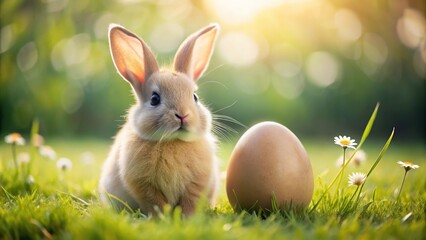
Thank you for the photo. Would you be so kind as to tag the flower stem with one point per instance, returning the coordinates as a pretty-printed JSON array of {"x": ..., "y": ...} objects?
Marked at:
[
  {"x": 350, "y": 200},
  {"x": 327, "y": 189},
  {"x": 15, "y": 161},
  {"x": 343, "y": 169},
  {"x": 402, "y": 184}
]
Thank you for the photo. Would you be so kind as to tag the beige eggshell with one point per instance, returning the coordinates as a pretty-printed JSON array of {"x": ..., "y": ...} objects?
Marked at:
[{"x": 269, "y": 159}]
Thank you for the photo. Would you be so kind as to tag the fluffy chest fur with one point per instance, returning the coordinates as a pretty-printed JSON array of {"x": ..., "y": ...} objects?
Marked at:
[{"x": 168, "y": 167}]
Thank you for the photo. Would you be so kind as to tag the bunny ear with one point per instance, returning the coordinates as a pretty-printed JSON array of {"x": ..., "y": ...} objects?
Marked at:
[
  {"x": 132, "y": 57},
  {"x": 193, "y": 56}
]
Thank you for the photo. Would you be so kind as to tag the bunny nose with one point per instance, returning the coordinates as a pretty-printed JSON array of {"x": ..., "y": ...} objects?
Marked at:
[{"x": 181, "y": 117}]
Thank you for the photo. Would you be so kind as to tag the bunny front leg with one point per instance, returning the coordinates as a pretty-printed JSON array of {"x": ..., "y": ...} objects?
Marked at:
[
  {"x": 188, "y": 204},
  {"x": 151, "y": 200},
  {"x": 189, "y": 200}
]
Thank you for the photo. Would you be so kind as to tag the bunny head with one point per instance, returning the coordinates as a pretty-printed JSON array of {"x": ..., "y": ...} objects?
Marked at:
[{"x": 167, "y": 107}]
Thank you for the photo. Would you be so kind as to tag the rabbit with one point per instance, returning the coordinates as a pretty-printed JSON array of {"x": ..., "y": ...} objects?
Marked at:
[{"x": 165, "y": 153}]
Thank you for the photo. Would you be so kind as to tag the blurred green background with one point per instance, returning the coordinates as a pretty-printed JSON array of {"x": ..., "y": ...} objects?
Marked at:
[{"x": 318, "y": 67}]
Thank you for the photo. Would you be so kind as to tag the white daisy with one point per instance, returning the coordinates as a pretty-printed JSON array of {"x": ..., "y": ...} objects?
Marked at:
[
  {"x": 408, "y": 165},
  {"x": 339, "y": 161},
  {"x": 23, "y": 157},
  {"x": 64, "y": 164},
  {"x": 30, "y": 179},
  {"x": 87, "y": 158},
  {"x": 359, "y": 158},
  {"x": 38, "y": 140},
  {"x": 357, "y": 178},
  {"x": 15, "y": 138},
  {"x": 345, "y": 142},
  {"x": 47, "y": 152}
]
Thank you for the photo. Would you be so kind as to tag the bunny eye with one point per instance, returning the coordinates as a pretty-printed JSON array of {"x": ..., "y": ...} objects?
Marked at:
[
  {"x": 155, "y": 99},
  {"x": 195, "y": 97}
]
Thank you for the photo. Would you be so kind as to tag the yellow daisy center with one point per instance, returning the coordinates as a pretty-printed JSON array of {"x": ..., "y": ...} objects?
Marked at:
[
  {"x": 408, "y": 163},
  {"x": 345, "y": 142},
  {"x": 15, "y": 136}
]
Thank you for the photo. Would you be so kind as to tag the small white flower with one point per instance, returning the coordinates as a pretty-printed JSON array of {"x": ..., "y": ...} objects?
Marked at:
[
  {"x": 15, "y": 138},
  {"x": 226, "y": 227},
  {"x": 38, "y": 140},
  {"x": 64, "y": 164},
  {"x": 345, "y": 142},
  {"x": 47, "y": 152},
  {"x": 359, "y": 158},
  {"x": 23, "y": 157},
  {"x": 30, "y": 179},
  {"x": 357, "y": 178},
  {"x": 87, "y": 158},
  {"x": 408, "y": 165},
  {"x": 339, "y": 162}
]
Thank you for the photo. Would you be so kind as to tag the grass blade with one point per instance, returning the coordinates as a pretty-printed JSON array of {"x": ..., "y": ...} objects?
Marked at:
[
  {"x": 9, "y": 196},
  {"x": 34, "y": 131},
  {"x": 75, "y": 197},
  {"x": 365, "y": 134},
  {"x": 382, "y": 153},
  {"x": 369, "y": 125},
  {"x": 34, "y": 128}
]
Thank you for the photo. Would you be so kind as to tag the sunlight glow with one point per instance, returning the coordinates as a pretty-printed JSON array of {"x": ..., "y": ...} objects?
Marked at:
[
  {"x": 238, "y": 49},
  {"x": 240, "y": 11}
]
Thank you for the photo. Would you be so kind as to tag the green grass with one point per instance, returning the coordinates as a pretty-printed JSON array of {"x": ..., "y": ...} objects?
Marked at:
[{"x": 64, "y": 205}]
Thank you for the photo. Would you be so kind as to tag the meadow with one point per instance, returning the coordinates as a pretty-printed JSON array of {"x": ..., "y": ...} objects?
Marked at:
[
  {"x": 63, "y": 204},
  {"x": 315, "y": 66}
]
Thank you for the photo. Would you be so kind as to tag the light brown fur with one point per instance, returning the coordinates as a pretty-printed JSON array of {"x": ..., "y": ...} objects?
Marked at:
[
  {"x": 156, "y": 173},
  {"x": 165, "y": 153}
]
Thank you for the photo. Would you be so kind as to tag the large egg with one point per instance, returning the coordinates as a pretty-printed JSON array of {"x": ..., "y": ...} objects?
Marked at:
[{"x": 269, "y": 160}]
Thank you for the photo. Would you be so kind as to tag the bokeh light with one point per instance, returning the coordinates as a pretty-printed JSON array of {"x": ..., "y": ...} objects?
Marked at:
[
  {"x": 299, "y": 56},
  {"x": 6, "y": 38},
  {"x": 27, "y": 56},
  {"x": 238, "y": 49},
  {"x": 411, "y": 27},
  {"x": 240, "y": 11},
  {"x": 375, "y": 48},
  {"x": 322, "y": 68},
  {"x": 348, "y": 25},
  {"x": 168, "y": 44}
]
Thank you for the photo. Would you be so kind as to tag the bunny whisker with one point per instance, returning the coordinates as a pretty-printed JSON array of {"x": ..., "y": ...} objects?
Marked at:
[
  {"x": 220, "y": 132},
  {"x": 224, "y": 108},
  {"x": 217, "y": 82},
  {"x": 228, "y": 119},
  {"x": 214, "y": 69},
  {"x": 223, "y": 127}
]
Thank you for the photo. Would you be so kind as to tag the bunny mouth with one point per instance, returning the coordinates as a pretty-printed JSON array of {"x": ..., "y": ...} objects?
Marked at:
[
  {"x": 182, "y": 130},
  {"x": 185, "y": 134}
]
